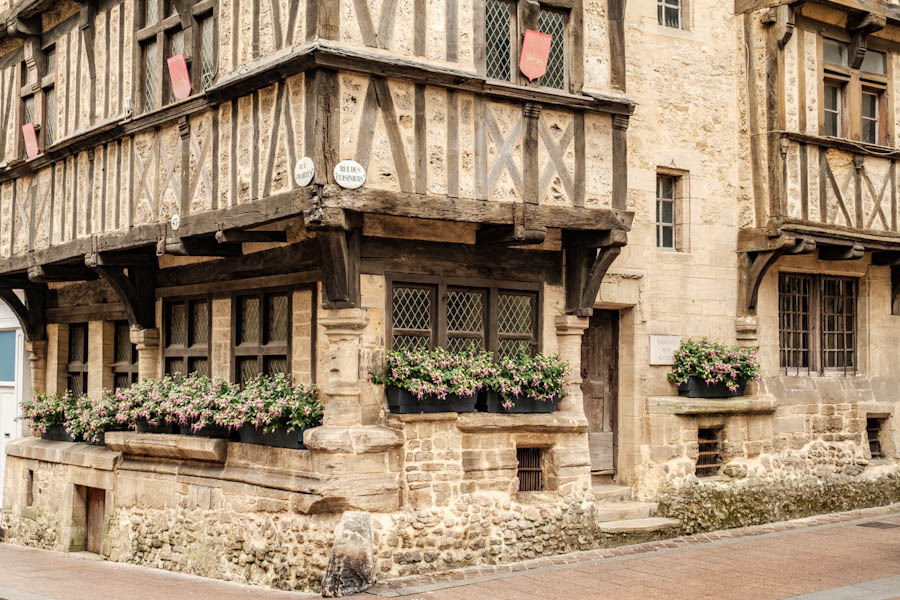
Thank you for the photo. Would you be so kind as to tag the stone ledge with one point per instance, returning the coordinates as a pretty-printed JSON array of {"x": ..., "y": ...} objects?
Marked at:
[
  {"x": 681, "y": 405},
  {"x": 422, "y": 417},
  {"x": 557, "y": 422},
  {"x": 163, "y": 445},
  {"x": 66, "y": 453}
]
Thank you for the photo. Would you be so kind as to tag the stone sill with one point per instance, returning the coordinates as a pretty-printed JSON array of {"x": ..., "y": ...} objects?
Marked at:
[
  {"x": 681, "y": 405},
  {"x": 163, "y": 445},
  {"x": 475, "y": 422},
  {"x": 78, "y": 454}
]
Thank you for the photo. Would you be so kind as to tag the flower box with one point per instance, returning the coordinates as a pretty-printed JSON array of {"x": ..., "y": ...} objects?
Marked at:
[
  {"x": 492, "y": 402},
  {"x": 279, "y": 438},
  {"x": 698, "y": 388},
  {"x": 57, "y": 433},
  {"x": 144, "y": 426},
  {"x": 208, "y": 431},
  {"x": 403, "y": 402}
]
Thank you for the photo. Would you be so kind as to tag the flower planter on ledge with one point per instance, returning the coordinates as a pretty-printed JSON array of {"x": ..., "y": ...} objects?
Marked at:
[
  {"x": 57, "y": 433},
  {"x": 403, "y": 402},
  {"x": 492, "y": 402},
  {"x": 279, "y": 438},
  {"x": 698, "y": 388}
]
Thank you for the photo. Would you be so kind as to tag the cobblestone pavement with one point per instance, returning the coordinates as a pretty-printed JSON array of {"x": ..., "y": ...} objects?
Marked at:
[{"x": 845, "y": 556}]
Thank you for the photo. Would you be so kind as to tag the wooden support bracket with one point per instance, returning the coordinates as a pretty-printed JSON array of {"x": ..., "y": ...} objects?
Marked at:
[
  {"x": 340, "y": 267},
  {"x": 885, "y": 259},
  {"x": 860, "y": 26},
  {"x": 853, "y": 252},
  {"x": 588, "y": 258},
  {"x": 509, "y": 235},
  {"x": 136, "y": 291},
  {"x": 197, "y": 247},
  {"x": 31, "y": 314},
  {"x": 759, "y": 263}
]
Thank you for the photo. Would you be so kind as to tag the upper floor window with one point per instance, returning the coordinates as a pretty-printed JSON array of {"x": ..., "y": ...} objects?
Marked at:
[
  {"x": 665, "y": 211},
  {"x": 817, "y": 323},
  {"x": 669, "y": 13},
  {"x": 186, "y": 325},
  {"x": 161, "y": 37},
  {"x": 48, "y": 87},
  {"x": 854, "y": 90},
  {"x": 505, "y": 25},
  {"x": 499, "y": 319}
]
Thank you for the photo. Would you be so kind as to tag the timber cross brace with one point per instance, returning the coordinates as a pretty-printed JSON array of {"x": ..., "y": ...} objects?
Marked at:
[
  {"x": 759, "y": 262},
  {"x": 588, "y": 257},
  {"x": 133, "y": 278}
]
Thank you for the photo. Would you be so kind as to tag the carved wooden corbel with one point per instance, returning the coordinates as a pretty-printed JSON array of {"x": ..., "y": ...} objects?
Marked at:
[
  {"x": 851, "y": 252},
  {"x": 759, "y": 263},
  {"x": 48, "y": 273},
  {"x": 860, "y": 26},
  {"x": 135, "y": 289},
  {"x": 32, "y": 314},
  {"x": 588, "y": 258}
]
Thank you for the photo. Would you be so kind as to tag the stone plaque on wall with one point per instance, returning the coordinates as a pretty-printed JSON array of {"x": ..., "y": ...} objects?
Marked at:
[{"x": 662, "y": 349}]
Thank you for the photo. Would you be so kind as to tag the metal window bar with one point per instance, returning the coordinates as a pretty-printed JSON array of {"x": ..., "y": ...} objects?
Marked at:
[
  {"x": 529, "y": 471},
  {"x": 839, "y": 323},
  {"x": 553, "y": 22},
  {"x": 709, "y": 458},
  {"x": 668, "y": 13},
  {"x": 794, "y": 318},
  {"x": 498, "y": 39},
  {"x": 873, "y": 433}
]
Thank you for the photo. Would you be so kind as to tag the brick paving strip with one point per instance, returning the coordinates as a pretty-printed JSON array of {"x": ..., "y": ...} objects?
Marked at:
[{"x": 583, "y": 560}]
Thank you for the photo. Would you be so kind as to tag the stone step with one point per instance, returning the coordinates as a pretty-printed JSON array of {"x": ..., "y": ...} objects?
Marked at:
[
  {"x": 618, "y": 511},
  {"x": 612, "y": 493},
  {"x": 645, "y": 526},
  {"x": 602, "y": 477}
]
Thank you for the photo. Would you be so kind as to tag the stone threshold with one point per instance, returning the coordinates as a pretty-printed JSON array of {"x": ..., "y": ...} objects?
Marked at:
[
  {"x": 474, "y": 422},
  {"x": 682, "y": 405},
  {"x": 419, "y": 584}
]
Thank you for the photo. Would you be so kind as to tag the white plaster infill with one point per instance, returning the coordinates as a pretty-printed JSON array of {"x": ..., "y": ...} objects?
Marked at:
[
  {"x": 65, "y": 453},
  {"x": 474, "y": 422},
  {"x": 681, "y": 405}
]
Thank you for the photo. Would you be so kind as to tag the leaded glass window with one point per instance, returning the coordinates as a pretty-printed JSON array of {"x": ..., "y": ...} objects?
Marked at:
[
  {"x": 77, "y": 366},
  {"x": 176, "y": 47},
  {"x": 516, "y": 323},
  {"x": 151, "y": 74},
  {"x": 413, "y": 314},
  {"x": 498, "y": 29},
  {"x": 208, "y": 66},
  {"x": 262, "y": 334},
  {"x": 466, "y": 313},
  {"x": 186, "y": 338},
  {"x": 125, "y": 358},
  {"x": 553, "y": 22}
]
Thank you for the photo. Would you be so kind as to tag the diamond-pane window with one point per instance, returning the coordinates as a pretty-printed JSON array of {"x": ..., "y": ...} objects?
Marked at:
[
  {"x": 465, "y": 319},
  {"x": 277, "y": 318},
  {"x": 176, "y": 47},
  {"x": 151, "y": 12},
  {"x": 498, "y": 36},
  {"x": 516, "y": 322},
  {"x": 248, "y": 310},
  {"x": 77, "y": 367},
  {"x": 186, "y": 324},
  {"x": 125, "y": 359},
  {"x": 151, "y": 76},
  {"x": 553, "y": 22},
  {"x": 50, "y": 119},
  {"x": 262, "y": 340},
  {"x": 207, "y": 51},
  {"x": 29, "y": 109}
]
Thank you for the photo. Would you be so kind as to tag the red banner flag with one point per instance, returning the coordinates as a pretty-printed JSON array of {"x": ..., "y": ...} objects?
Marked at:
[
  {"x": 31, "y": 144},
  {"x": 535, "y": 52},
  {"x": 178, "y": 73}
]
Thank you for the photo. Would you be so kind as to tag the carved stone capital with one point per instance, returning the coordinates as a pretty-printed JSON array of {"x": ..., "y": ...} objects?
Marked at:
[
  {"x": 620, "y": 122},
  {"x": 145, "y": 339}
]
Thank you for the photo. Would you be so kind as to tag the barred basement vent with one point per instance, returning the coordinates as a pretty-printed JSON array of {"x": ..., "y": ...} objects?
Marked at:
[
  {"x": 873, "y": 431},
  {"x": 709, "y": 458},
  {"x": 530, "y": 473}
]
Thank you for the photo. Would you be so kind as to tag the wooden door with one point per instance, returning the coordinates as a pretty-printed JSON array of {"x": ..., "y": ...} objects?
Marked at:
[
  {"x": 599, "y": 374},
  {"x": 96, "y": 511}
]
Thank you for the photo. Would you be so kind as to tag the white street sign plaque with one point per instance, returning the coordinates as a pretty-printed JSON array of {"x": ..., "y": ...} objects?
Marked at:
[
  {"x": 349, "y": 174},
  {"x": 304, "y": 171}
]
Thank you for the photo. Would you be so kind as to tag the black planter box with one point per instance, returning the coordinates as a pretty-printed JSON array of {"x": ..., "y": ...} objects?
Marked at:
[
  {"x": 57, "y": 433},
  {"x": 102, "y": 440},
  {"x": 210, "y": 431},
  {"x": 279, "y": 438},
  {"x": 492, "y": 402},
  {"x": 403, "y": 402},
  {"x": 143, "y": 426},
  {"x": 697, "y": 388}
]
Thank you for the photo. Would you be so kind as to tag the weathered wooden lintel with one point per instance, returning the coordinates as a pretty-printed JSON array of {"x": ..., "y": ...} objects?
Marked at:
[{"x": 509, "y": 235}]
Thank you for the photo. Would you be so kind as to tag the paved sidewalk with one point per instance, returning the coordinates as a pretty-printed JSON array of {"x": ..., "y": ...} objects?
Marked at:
[{"x": 845, "y": 556}]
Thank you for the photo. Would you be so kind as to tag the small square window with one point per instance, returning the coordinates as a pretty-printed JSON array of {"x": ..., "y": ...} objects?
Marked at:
[
  {"x": 709, "y": 457},
  {"x": 668, "y": 13},
  {"x": 874, "y": 428},
  {"x": 874, "y": 62},
  {"x": 530, "y": 471}
]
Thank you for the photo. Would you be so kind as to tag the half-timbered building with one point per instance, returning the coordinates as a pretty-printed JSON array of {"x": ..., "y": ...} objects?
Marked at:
[{"x": 683, "y": 168}]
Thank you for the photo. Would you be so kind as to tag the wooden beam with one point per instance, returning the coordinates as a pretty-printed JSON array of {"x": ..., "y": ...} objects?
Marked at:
[
  {"x": 17, "y": 283},
  {"x": 895, "y": 289},
  {"x": 509, "y": 235},
  {"x": 48, "y": 273},
  {"x": 197, "y": 247},
  {"x": 31, "y": 314},
  {"x": 340, "y": 267},
  {"x": 121, "y": 259},
  {"x": 852, "y": 252},
  {"x": 237, "y": 236},
  {"x": 587, "y": 261},
  {"x": 760, "y": 262},
  {"x": 884, "y": 259},
  {"x": 136, "y": 292}
]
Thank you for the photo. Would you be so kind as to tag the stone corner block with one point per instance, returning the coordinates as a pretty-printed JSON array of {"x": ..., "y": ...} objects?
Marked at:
[
  {"x": 167, "y": 445},
  {"x": 351, "y": 569},
  {"x": 356, "y": 440}
]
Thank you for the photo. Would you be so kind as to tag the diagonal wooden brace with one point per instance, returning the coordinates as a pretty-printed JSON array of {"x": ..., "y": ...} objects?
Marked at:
[
  {"x": 588, "y": 258},
  {"x": 136, "y": 291},
  {"x": 759, "y": 263},
  {"x": 32, "y": 314}
]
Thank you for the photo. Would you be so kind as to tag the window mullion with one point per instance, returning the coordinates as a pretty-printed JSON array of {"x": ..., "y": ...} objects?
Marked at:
[
  {"x": 493, "y": 341},
  {"x": 440, "y": 329}
]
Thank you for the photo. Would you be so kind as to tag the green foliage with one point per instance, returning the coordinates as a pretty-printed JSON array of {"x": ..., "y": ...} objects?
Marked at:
[
  {"x": 714, "y": 363},
  {"x": 46, "y": 410}
]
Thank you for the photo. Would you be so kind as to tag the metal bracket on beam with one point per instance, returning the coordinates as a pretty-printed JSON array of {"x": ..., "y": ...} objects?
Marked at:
[{"x": 759, "y": 263}]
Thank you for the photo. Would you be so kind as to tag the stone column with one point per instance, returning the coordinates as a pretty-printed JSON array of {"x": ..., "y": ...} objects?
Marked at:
[
  {"x": 147, "y": 342},
  {"x": 37, "y": 359},
  {"x": 101, "y": 354},
  {"x": 569, "y": 331},
  {"x": 359, "y": 459}
]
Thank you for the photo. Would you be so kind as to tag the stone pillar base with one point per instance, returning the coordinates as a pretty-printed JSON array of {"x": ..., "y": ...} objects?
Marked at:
[{"x": 575, "y": 463}]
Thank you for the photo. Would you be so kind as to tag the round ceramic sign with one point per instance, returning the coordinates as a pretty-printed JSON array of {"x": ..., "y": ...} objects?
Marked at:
[
  {"x": 304, "y": 171},
  {"x": 175, "y": 222},
  {"x": 349, "y": 174}
]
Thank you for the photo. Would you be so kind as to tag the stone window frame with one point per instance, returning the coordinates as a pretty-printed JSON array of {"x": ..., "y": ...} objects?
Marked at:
[
  {"x": 816, "y": 349},
  {"x": 522, "y": 18},
  {"x": 438, "y": 333},
  {"x": 124, "y": 367},
  {"x": 681, "y": 208},
  {"x": 78, "y": 366},
  {"x": 161, "y": 35},
  {"x": 263, "y": 349},
  {"x": 852, "y": 82},
  {"x": 188, "y": 351}
]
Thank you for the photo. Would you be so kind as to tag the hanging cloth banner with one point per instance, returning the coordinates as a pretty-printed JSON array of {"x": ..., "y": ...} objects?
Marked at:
[
  {"x": 31, "y": 143},
  {"x": 178, "y": 74},
  {"x": 535, "y": 52}
]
